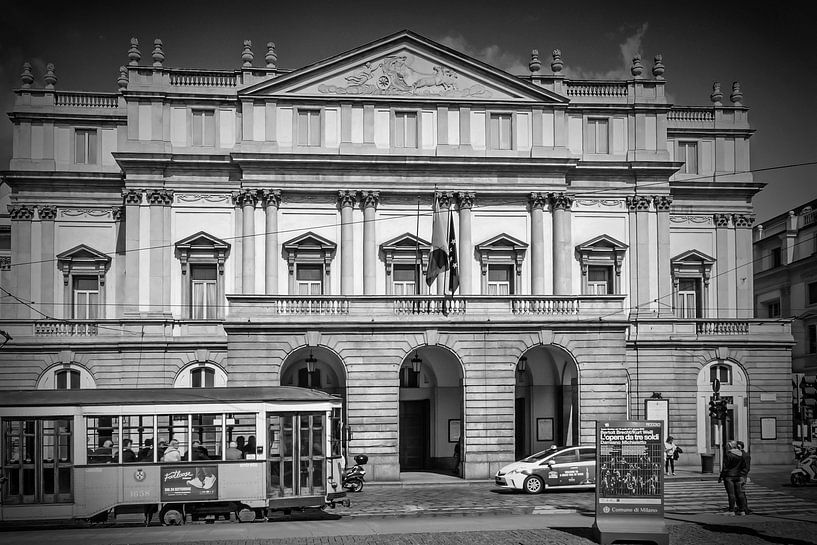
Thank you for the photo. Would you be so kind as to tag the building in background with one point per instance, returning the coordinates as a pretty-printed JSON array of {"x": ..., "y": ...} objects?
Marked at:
[
  {"x": 199, "y": 228},
  {"x": 785, "y": 249}
]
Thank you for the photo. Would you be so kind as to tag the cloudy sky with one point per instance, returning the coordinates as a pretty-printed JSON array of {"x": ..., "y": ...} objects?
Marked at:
[{"x": 770, "y": 52}]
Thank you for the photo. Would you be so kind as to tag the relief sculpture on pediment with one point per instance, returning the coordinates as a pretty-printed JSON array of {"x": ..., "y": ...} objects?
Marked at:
[{"x": 401, "y": 75}]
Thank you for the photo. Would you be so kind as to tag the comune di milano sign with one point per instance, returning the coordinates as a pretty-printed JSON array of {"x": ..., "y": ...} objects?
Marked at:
[{"x": 630, "y": 482}]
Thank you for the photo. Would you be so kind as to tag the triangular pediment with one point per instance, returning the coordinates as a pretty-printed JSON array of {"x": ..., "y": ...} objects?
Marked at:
[
  {"x": 405, "y": 241},
  {"x": 502, "y": 242},
  {"x": 693, "y": 257},
  {"x": 601, "y": 243},
  {"x": 83, "y": 253},
  {"x": 308, "y": 241},
  {"x": 404, "y": 65},
  {"x": 202, "y": 240}
]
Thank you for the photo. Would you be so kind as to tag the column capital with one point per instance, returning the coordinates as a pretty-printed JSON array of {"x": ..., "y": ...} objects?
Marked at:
[
  {"x": 722, "y": 220},
  {"x": 369, "y": 199},
  {"x": 465, "y": 199},
  {"x": 743, "y": 221},
  {"x": 271, "y": 197},
  {"x": 117, "y": 212},
  {"x": 160, "y": 197},
  {"x": 538, "y": 200},
  {"x": 22, "y": 212},
  {"x": 445, "y": 198},
  {"x": 245, "y": 197},
  {"x": 560, "y": 201},
  {"x": 47, "y": 212},
  {"x": 638, "y": 203},
  {"x": 662, "y": 202},
  {"x": 347, "y": 198},
  {"x": 132, "y": 196}
]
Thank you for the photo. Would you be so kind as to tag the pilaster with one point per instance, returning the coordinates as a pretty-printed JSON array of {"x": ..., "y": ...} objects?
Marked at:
[
  {"x": 560, "y": 205},
  {"x": 369, "y": 201},
  {"x": 538, "y": 201},
  {"x": 132, "y": 200},
  {"x": 47, "y": 215},
  {"x": 271, "y": 199},
  {"x": 662, "y": 204},
  {"x": 346, "y": 201},
  {"x": 465, "y": 200},
  {"x": 743, "y": 265}
]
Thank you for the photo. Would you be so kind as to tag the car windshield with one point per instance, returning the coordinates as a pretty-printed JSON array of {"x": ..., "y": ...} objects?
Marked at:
[{"x": 539, "y": 456}]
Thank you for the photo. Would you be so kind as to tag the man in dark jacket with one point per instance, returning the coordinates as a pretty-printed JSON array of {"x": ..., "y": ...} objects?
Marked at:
[
  {"x": 747, "y": 458},
  {"x": 733, "y": 476}
]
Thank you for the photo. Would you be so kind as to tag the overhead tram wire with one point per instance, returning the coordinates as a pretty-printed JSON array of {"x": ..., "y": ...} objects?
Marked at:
[{"x": 593, "y": 193}]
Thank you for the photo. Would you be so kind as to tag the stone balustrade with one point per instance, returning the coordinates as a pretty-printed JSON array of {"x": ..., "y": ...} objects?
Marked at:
[
  {"x": 596, "y": 88},
  {"x": 691, "y": 115},
  {"x": 86, "y": 100},
  {"x": 201, "y": 78}
]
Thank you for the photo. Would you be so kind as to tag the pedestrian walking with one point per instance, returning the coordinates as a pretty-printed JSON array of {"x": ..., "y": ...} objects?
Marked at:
[
  {"x": 747, "y": 460},
  {"x": 670, "y": 455},
  {"x": 733, "y": 477}
]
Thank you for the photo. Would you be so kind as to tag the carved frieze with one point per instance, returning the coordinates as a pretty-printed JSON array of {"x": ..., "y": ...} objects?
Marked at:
[
  {"x": 198, "y": 198},
  {"x": 608, "y": 203},
  {"x": 691, "y": 219},
  {"x": 85, "y": 213},
  {"x": 404, "y": 75}
]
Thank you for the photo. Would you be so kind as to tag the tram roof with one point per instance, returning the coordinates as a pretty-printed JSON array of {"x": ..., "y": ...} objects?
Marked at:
[{"x": 146, "y": 396}]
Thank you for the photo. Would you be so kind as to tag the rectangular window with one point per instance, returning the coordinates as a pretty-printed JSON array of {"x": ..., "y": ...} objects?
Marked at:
[
  {"x": 137, "y": 439},
  {"x": 777, "y": 257},
  {"x": 102, "y": 436},
  {"x": 309, "y": 279},
  {"x": 204, "y": 128},
  {"x": 85, "y": 146},
  {"x": 405, "y": 130},
  {"x": 68, "y": 379},
  {"x": 773, "y": 309},
  {"x": 500, "y": 280},
  {"x": 599, "y": 280},
  {"x": 203, "y": 285},
  {"x": 309, "y": 127},
  {"x": 86, "y": 297},
  {"x": 404, "y": 280},
  {"x": 598, "y": 137},
  {"x": 689, "y": 298},
  {"x": 500, "y": 131},
  {"x": 812, "y": 339},
  {"x": 202, "y": 377},
  {"x": 173, "y": 438},
  {"x": 812, "y": 293},
  {"x": 241, "y": 429},
  {"x": 688, "y": 153},
  {"x": 207, "y": 431}
]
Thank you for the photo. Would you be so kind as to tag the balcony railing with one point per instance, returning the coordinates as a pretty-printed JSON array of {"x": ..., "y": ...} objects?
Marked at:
[
  {"x": 65, "y": 329},
  {"x": 722, "y": 327}
]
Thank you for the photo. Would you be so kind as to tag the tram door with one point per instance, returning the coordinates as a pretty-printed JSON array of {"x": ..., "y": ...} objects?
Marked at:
[
  {"x": 37, "y": 460},
  {"x": 297, "y": 454}
]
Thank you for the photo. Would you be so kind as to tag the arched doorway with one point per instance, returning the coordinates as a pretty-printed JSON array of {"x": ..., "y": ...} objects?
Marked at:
[
  {"x": 734, "y": 389},
  {"x": 431, "y": 411},
  {"x": 546, "y": 400}
]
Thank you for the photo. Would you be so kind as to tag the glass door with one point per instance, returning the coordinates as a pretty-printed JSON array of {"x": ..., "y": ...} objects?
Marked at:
[
  {"x": 297, "y": 454},
  {"x": 37, "y": 460}
]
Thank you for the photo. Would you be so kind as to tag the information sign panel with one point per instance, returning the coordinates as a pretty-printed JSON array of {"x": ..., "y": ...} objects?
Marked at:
[{"x": 189, "y": 482}]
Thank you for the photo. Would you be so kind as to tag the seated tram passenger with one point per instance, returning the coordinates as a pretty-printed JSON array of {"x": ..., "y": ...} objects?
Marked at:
[
  {"x": 199, "y": 451},
  {"x": 104, "y": 454},
  {"x": 172, "y": 452},
  {"x": 146, "y": 452},
  {"x": 128, "y": 456},
  {"x": 232, "y": 452}
]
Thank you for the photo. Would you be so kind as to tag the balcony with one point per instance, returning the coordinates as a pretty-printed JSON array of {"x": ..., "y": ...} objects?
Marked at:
[{"x": 710, "y": 330}]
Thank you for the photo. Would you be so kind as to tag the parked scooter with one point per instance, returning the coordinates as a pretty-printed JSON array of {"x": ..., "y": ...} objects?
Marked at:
[
  {"x": 806, "y": 470},
  {"x": 354, "y": 476}
]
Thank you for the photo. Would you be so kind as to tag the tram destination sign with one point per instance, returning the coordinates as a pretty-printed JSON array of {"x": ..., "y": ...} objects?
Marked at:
[
  {"x": 630, "y": 480},
  {"x": 189, "y": 481}
]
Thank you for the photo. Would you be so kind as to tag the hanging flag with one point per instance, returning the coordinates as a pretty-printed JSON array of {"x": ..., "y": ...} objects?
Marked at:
[
  {"x": 453, "y": 264},
  {"x": 438, "y": 259}
]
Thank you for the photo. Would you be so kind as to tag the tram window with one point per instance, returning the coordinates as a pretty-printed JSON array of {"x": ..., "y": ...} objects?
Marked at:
[
  {"x": 172, "y": 427},
  {"x": 139, "y": 431},
  {"x": 241, "y": 429},
  {"x": 207, "y": 431},
  {"x": 103, "y": 434}
]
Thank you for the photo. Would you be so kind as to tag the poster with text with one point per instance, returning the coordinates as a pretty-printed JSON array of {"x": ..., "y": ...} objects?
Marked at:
[
  {"x": 189, "y": 482},
  {"x": 629, "y": 469}
]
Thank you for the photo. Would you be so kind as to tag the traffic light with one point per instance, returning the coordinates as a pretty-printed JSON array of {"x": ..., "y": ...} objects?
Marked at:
[
  {"x": 713, "y": 407},
  {"x": 717, "y": 407},
  {"x": 808, "y": 394}
]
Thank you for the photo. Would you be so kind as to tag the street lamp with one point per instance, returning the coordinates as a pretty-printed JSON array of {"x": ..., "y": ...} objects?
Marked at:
[
  {"x": 416, "y": 362},
  {"x": 523, "y": 364},
  {"x": 310, "y": 363}
]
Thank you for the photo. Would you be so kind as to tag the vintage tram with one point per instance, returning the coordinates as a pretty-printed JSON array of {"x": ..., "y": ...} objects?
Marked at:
[{"x": 186, "y": 453}]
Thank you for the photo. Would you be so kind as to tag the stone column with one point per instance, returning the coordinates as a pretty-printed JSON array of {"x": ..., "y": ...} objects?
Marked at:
[
  {"x": 465, "y": 247},
  {"x": 132, "y": 200},
  {"x": 724, "y": 299},
  {"x": 21, "y": 217},
  {"x": 560, "y": 204},
  {"x": 662, "y": 207},
  {"x": 247, "y": 199},
  {"x": 369, "y": 201},
  {"x": 445, "y": 204},
  {"x": 537, "y": 243},
  {"x": 346, "y": 201},
  {"x": 638, "y": 207},
  {"x": 271, "y": 201},
  {"x": 47, "y": 293},
  {"x": 743, "y": 265},
  {"x": 158, "y": 199}
]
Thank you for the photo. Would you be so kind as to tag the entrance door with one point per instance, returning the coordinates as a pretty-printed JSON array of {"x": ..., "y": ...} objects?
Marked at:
[
  {"x": 37, "y": 460},
  {"x": 414, "y": 435},
  {"x": 521, "y": 428},
  {"x": 297, "y": 451}
]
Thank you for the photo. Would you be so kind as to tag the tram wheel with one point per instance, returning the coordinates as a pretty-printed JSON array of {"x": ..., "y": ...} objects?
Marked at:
[
  {"x": 245, "y": 514},
  {"x": 171, "y": 515}
]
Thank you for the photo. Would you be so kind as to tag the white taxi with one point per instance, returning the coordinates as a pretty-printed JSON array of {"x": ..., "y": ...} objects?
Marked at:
[{"x": 557, "y": 467}]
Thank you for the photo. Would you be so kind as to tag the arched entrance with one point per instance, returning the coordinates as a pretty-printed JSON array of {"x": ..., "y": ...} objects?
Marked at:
[
  {"x": 546, "y": 400},
  {"x": 431, "y": 410},
  {"x": 734, "y": 389}
]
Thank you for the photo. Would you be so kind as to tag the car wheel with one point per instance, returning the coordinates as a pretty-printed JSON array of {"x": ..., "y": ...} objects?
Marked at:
[{"x": 533, "y": 485}]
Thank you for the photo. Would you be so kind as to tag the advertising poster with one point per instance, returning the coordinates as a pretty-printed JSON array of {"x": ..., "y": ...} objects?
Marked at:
[
  {"x": 189, "y": 482},
  {"x": 630, "y": 469}
]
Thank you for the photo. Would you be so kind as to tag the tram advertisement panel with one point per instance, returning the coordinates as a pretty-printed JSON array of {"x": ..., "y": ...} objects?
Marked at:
[
  {"x": 629, "y": 466},
  {"x": 189, "y": 482}
]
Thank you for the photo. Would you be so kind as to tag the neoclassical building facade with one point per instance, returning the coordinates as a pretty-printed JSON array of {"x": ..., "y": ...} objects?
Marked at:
[{"x": 202, "y": 228}]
